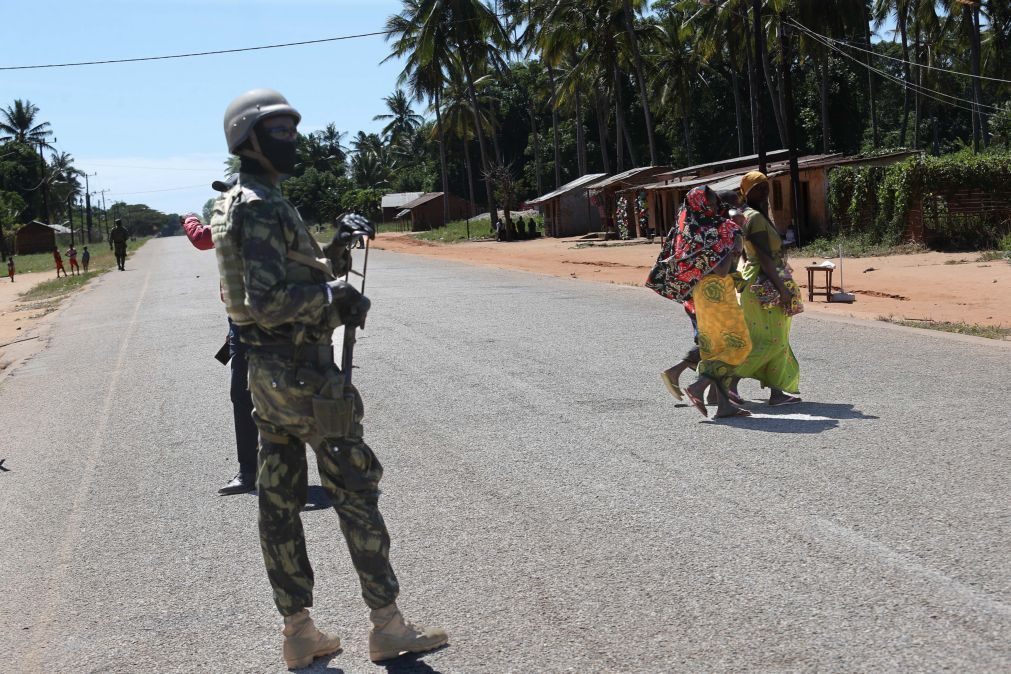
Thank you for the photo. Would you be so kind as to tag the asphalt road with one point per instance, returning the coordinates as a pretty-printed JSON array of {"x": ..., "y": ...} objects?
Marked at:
[{"x": 550, "y": 504}]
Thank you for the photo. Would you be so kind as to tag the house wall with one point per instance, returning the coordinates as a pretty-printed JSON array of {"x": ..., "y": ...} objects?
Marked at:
[
  {"x": 573, "y": 214},
  {"x": 429, "y": 214},
  {"x": 34, "y": 239}
]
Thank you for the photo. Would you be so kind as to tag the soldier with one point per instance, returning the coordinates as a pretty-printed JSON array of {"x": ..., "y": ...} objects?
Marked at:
[
  {"x": 117, "y": 240},
  {"x": 286, "y": 303}
]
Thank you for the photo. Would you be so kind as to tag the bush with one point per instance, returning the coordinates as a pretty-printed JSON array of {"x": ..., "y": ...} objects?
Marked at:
[{"x": 874, "y": 202}]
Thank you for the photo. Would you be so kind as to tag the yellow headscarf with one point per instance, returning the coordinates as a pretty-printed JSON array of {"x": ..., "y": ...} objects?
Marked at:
[{"x": 751, "y": 180}]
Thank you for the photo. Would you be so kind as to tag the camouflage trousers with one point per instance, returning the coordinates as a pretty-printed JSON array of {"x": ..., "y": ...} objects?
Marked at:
[{"x": 349, "y": 471}]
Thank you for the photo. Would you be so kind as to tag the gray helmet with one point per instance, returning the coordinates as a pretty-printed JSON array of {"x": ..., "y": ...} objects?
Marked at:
[{"x": 246, "y": 110}]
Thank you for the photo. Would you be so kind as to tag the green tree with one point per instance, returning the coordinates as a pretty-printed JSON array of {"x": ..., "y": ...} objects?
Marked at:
[{"x": 20, "y": 123}]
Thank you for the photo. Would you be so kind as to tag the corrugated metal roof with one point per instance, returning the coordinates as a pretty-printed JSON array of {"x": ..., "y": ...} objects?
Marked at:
[
  {"x": 583, "y": 181},
  {"x": 423, "y": 199},
  {"x": 399, "y": 199},
  {"x": 626, "y": 176}
]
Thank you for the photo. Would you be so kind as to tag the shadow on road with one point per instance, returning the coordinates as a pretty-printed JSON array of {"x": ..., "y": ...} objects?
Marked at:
[
  {"x": 322, "y": 665},
  {"x": 411, "y": 664},
  {"x": 316, "y": 499},
  {"x": 803, "y": 418}
]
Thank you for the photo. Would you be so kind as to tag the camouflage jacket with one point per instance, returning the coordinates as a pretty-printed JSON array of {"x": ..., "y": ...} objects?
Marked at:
[
  {"x": 118, "y": 235},
  {"x": 284, "y": 298}
]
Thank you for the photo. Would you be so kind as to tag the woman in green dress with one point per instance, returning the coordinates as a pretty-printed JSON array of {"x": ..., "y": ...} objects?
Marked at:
[{"x": 770, "y": 299}]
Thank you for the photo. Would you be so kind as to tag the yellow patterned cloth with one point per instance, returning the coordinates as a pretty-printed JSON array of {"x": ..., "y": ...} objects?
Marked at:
[{"x": 724, "y": 340}]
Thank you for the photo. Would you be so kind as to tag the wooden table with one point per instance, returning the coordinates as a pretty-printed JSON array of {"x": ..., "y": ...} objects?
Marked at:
[{"x": 810, "y": 283}]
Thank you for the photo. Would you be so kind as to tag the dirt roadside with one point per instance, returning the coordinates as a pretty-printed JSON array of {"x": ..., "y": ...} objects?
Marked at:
[
  {"x": 925, "y": 286},
  {"x": 23, "y": 325},
  {"x": 931, "y": 286}
]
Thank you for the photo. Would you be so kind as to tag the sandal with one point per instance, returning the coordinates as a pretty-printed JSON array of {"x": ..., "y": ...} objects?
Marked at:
[
  {"x": 789, "y": 400},
  {"x": 699, "y": 404},
  {"x": 736, "y": 413},
  {"x": 671, "y": 385},
  {"x": 735, "y": 398}
]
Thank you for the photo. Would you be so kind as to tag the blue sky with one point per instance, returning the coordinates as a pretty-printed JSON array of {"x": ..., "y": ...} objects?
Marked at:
[{"x": 158, "y": 125}]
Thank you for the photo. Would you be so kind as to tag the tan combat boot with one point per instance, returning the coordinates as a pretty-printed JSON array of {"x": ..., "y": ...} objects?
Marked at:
[
  {"x": 391, "y": 635},
  {"x": 303, "y": 642}
]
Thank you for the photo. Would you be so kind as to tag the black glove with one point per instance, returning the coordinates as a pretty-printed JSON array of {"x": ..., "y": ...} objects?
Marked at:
[{"x": 350, "y": 304}]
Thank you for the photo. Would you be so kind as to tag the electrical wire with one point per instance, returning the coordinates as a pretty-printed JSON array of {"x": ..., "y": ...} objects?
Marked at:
[
  {"x": 191, "y": 54},
  {"x": 925, "y": 91},
  {"x": 850, "y": 45},
  {"x": 168, "y": 189}
]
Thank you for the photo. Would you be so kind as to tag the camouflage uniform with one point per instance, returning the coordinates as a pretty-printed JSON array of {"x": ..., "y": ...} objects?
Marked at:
[{"x": 291, "y": 369}]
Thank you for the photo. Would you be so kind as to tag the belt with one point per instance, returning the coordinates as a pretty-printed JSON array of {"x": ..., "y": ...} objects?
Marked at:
[{"x": 317, "y": 354}]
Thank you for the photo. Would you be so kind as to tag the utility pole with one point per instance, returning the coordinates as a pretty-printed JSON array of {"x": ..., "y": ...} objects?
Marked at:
[
  {"x": 105, "y": 214},
  {"x": 787, "y": 58},
  {"x": 45, "y": 185},
  {"x": 70, "y": 214},
  {"x": 87, "y": 201},
  {"x": 757, "y": 65}
]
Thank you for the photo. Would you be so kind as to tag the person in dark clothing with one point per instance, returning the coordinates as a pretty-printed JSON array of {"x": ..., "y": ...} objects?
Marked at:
[
  {"x": 246, "y": 435},
  {"x": 117, "y": 241}
]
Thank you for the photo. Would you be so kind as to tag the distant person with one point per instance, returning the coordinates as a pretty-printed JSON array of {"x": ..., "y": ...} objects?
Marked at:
[
  {"x": 789, "y": 238},
  {"x": 85, "y": 259},
  {"x": 521, "y": 228},
  {"x": 75, "y": 268},
  {"x": 500, "y": 234},
  {"x": 532, "y": 229},
  {"x": 10, "y": 267},
  {"x": 59, "y": 262},
  {"x": 118, "y": 237}
]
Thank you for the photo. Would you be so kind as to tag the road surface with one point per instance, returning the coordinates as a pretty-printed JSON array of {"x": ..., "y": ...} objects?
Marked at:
[{"x": 550, "y": 504}]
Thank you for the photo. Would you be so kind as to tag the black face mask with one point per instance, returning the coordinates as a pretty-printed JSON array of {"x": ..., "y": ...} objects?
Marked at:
[{"x": 280, "y": 153}]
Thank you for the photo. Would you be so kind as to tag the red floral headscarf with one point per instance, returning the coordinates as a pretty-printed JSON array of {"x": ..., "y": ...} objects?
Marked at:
[{"x": 703, "y": 237}]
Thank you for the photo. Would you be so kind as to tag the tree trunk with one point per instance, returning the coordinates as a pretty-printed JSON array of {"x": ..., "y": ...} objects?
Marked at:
[
  {"x": 774, "y": 96},
  {"x": 977, "y": 86},
  {"x": 906, "y": 74},
  {"x": 688, "y": 139},
  {"x": 580, "y": 134},
  {"x": 875, "y": 138},
  {"x": 537, "y": 147},
  {"x": 826, "y": 132},
  {"x": 738, "y": 113},
  {"x": 489, "y": 190},
  {"x": 917, "y": 105},
  {"x": 619, "y": 121},
  {"x": 442, "y": 158},
  {"x": 554, "y": 127},
  {"x": 637, "y": 60},
  {"x": 605, "y": 141},
  {"x": 470, "y": 176}
]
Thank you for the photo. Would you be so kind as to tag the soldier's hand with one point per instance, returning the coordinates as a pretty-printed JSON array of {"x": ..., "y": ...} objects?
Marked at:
[{"x": 351, "y": 304}]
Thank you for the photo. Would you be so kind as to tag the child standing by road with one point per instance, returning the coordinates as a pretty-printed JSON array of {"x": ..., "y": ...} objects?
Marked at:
[
  {"x": 85, "y": 259},
  {"x": 72, "y": 256},
  {"x": 59, "y": 262},
  {"x": 10, "y": 267}
]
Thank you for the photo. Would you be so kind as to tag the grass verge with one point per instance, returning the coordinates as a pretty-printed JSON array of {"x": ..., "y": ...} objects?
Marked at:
[
  {"x": 958, "y": 327},
  {"x": 855, "y": 246},
  {"x": 102, "y": 259}
]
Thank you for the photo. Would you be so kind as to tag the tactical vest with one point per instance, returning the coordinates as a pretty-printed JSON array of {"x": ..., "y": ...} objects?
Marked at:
[{"x": 306, "y": 263}]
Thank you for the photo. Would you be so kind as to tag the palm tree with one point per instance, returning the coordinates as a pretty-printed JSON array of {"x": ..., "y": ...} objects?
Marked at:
[
  {"x": 20, "y": 124},
  {"x": 403, "y": 121},
  {"x": 424, "y": 73},
  {"x": 473, "y": 29}
]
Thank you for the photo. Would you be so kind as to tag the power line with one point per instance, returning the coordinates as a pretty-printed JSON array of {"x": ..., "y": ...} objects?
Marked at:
[
  {"x": 168, "y": 189},
  {"x": 850, "y": 45},
  {"x": 925, "y": 91},
  {"x": 199, "y": 53},
  {"x": 216, "y": 51}
]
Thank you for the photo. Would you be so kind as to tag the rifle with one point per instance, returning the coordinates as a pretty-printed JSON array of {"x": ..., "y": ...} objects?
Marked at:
[{"x": 352, "y": 230}]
